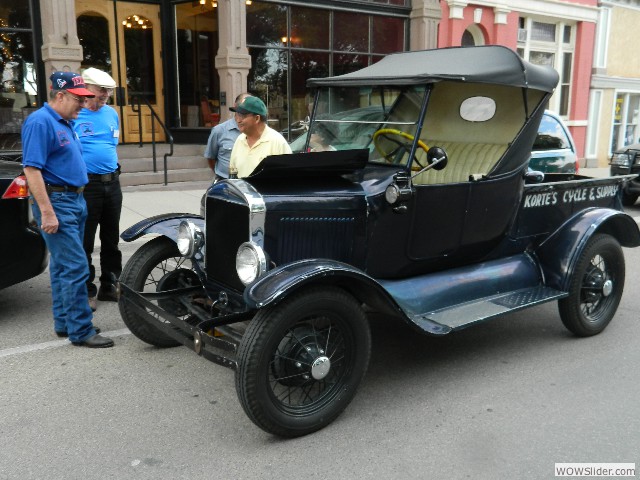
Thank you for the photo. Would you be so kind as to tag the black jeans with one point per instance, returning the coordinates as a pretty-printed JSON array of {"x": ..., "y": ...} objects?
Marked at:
[{"x": 104, "y": 203}]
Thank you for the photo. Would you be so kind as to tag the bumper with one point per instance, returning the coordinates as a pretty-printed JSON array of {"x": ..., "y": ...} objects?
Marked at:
[
  {"x": 197, "y": 333},
  {"x": 633, "y": 185}
]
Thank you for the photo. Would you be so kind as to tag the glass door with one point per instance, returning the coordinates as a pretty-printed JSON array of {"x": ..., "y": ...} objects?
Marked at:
[{"x": 125, "y": 40}]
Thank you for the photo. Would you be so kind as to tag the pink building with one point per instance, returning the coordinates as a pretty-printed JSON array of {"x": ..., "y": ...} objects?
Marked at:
[{"x": 556, "y": 33}]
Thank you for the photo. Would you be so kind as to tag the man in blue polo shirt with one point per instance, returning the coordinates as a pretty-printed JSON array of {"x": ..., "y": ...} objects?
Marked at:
[{"x": 56, "y": 175}]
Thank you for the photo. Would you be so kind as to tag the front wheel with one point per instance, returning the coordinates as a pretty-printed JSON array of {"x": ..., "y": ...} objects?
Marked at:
[
  {"x": 596, "y": 287},
  {"x": 300, "y": 361},
  {"x": 156, "y": 266}
]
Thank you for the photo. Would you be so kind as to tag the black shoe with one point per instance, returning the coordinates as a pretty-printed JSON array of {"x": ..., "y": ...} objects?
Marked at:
[
  {"x": 108, "y": 293},
  {"x": 65, "y": 334},
  {"x": 95, "y": 341}
]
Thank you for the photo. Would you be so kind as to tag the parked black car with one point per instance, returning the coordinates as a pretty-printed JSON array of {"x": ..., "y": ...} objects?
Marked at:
[
  {"x": 23, "y": 253},
  {"x": 436, "y": 222},
  {"x": 624, "y": 162}
]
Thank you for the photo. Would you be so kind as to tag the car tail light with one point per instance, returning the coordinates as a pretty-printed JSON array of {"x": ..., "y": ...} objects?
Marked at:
[{"x": 17, "y": 189}]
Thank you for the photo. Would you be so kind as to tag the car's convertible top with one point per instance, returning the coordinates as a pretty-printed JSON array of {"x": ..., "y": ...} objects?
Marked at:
[{"x": 486, "y": 64}]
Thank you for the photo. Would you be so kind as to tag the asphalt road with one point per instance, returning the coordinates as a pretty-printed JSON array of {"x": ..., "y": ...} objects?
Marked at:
[{"x": 503, "y": 400}]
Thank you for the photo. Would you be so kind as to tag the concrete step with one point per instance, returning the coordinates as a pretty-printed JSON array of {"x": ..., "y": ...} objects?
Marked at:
[
  {"x": 156, "y": 178},
  {"x": 187, "y": 166}
]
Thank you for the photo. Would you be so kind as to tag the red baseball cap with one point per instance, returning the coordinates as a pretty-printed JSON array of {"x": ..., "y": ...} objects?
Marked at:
[{"x": 71, "y": 82}]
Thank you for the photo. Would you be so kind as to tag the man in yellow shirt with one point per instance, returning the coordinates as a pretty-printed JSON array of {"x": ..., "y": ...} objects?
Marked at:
[{"x": 257, "y": 140}]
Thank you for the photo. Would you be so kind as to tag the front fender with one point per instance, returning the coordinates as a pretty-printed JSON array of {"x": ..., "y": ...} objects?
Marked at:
[
  {"x": 165, "y": 224},
  {"x": 559, "y": 253},
  {"x": 282, "y": 281}
]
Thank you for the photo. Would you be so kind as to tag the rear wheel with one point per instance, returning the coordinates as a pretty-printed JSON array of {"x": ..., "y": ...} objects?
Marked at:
[
  {"x": 300, "y": 361},
  {"x": 629, "y": 199},
  {"x": 596, "y": 287},
  {"x": 156, "y": 266}
]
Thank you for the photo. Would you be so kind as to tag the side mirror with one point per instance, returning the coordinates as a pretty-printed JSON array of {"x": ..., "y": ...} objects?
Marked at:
[
  {"x": 533, "y": 176},
  {"x": 437, "y": 158}
]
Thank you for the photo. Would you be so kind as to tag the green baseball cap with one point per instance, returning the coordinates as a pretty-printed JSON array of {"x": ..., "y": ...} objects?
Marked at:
[{"x": 251, "y": 105}]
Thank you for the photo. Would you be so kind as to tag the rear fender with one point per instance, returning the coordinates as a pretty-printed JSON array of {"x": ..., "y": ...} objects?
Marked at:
[
  {"x": 558, "y": 254},
  {"x": 166, "y": 224}
]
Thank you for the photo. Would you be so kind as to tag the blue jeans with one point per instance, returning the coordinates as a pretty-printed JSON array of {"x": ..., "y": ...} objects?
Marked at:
[{"x": 68, "y": 266}]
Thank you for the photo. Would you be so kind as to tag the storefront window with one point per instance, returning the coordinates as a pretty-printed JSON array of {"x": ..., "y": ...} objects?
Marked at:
[
  {"x": 388, "y": 34},
  {"x": 268, "y": 80},
  {"x": 198, "y": 81},
  {"x": 348, "y": 31},
  {"x": 626, "y": 122},
  {"x": 266, "y": 24},
  {"x": 290, "y": 44},
  {"x": 18, "y": 90},
  {"x": 309, "y": 28}
]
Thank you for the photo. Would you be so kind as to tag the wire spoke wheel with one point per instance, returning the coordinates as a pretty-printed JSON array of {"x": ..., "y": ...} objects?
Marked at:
[
  {"x": 596, "y": 287},
  {"x": 156, "y": 266},
  {"x": 300, "y": 362}
]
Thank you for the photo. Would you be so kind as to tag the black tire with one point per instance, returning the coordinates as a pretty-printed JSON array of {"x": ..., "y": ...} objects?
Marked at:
[
  {"x": 301, "y": 361},
  {"x": 154, "y": 266},
  {"x": 629, "y": 199},
  {"x": 596, "y": 287}
]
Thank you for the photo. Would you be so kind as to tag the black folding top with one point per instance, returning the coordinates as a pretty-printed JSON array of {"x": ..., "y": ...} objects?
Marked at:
[{"x": 484, "y": 64}]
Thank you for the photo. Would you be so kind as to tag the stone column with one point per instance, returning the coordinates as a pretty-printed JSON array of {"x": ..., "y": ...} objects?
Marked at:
[
  {"x": 233, "y": 60},
  {"x": 424, "y": 18},
  {"x": 61, "y": 49}
]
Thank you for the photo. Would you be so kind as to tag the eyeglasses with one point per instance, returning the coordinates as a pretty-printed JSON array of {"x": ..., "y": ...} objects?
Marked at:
[
  {"x": 100, "y": 90},
  {"x": 80, "y": 100}
]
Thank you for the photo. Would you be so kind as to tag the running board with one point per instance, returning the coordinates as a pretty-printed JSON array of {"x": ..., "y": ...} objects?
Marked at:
[{"x": 464, "y": 315}]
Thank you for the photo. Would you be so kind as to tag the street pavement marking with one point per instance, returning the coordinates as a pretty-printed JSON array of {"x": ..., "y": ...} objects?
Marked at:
[{"x": 53, "y": 344}]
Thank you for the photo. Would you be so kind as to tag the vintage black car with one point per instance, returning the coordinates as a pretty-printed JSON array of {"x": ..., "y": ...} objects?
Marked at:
[
  {"x": 436, "y": 222},
  {"x": 626, "y": 161},
  {"x": 23, "y": 253}
]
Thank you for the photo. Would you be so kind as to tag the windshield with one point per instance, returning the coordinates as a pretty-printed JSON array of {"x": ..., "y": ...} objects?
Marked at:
[{"x": 382, "y": 120}]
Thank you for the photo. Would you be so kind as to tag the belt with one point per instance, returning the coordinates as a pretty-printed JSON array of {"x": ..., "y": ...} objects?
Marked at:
[
  {"x": 105, "y": 177},
  {"x": 63, "y": 188}
]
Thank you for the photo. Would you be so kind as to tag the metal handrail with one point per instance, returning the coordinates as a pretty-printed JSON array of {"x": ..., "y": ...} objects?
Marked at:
[{"x": 136, "y": 107}]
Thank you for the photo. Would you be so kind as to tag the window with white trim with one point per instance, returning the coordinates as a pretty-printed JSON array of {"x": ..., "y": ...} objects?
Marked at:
[
  {"x": 550, "y": 43},
  {"x": 626, "y": 120}
]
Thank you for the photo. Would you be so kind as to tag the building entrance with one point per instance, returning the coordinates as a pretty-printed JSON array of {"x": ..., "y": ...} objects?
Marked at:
[{"x": 124, "y": 39}]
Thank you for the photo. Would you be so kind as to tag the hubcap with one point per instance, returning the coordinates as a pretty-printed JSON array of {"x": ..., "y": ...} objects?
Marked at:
[
  {"x": 607, "y": 288},
  {"x": 320, "y": 367}
]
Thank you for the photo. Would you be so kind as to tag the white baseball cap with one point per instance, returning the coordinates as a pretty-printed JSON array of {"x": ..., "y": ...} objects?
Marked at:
[{"x": 98, "y": 77}]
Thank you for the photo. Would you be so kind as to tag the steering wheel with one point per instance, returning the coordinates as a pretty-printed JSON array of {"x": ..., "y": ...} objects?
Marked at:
[{"x": 388, "y": 134}]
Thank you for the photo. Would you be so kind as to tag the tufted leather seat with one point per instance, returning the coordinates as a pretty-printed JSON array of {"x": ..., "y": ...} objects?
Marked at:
[{"x": 465, "y": 159}]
